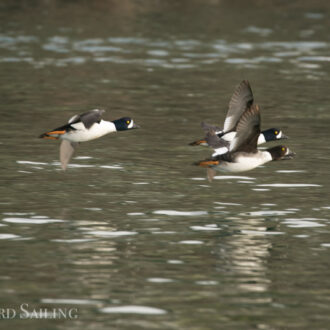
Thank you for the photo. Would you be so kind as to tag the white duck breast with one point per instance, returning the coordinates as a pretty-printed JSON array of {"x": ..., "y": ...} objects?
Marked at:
[
  {"x": 82, "y": 134},
  {"x": 245, "y": 162}
]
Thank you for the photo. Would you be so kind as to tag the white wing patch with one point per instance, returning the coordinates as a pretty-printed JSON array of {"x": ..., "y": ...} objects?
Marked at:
[
  {"x": 233, "y": 144},
  {"x": 229, "y": 136},
  {"x": 79, "y": 126},
  {"x": 72, "y": 119},
  {"x": 220, "y": 151},
  {"x": 228, "y": 123},
  {"x": 261, "y": 139}
]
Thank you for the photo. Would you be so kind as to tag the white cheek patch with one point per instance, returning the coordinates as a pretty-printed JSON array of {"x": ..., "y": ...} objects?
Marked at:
[
  {"x": 220, "y": 151},
  {"x": 279, "y": 135},
  {"x": 130, "y": 124}
]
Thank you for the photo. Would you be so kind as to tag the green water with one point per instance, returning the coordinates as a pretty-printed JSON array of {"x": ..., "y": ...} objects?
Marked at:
[{"x": 132, "y": 224}]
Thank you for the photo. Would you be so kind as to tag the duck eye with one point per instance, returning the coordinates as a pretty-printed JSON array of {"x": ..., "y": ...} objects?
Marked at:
[
  {"x": 283, "y": 148},
  {"x": 276, "y": 132},
  {"x": 127, "y": 122}
]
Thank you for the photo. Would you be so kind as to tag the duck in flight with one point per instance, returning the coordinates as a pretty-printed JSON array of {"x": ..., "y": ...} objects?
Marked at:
[
  {"x": 243, "y": 154},
  {"x": 241, "y": 100},
  {"x": 85, "y": 127}
]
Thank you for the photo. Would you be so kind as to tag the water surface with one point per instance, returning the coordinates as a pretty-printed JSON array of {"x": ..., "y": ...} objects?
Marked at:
[{"x": 132, "y": 234}]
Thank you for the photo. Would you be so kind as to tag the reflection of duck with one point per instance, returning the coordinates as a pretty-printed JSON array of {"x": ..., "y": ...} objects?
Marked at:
[
  {"x": 85, "y": 127},
  {"x": 243, "y": 154},
  {"x": 241, "y": 100}
]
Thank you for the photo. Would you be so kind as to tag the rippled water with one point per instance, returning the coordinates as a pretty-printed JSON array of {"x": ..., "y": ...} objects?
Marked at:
[{"x": 133, "y": 235}]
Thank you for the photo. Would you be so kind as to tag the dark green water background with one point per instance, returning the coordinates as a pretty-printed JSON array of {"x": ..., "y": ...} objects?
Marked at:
[{"x": 132, "y": 222}]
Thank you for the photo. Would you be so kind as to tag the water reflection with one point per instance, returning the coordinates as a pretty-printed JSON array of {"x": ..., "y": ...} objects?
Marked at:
[
  {"x": 133, "y": 235},
  {"x": 246, "y": 258},
  {"x": 145, "y": 310},
  {"x": 159, "y": 53}
]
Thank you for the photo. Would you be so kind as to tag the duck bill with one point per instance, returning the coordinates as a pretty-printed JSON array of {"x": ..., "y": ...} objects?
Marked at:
[
  {"x": 136, "y": 126},
  {"x": 284, "y": 137}
]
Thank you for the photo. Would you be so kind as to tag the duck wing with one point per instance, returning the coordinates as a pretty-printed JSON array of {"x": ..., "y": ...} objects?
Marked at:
[
  {"x": 88, "y": 118},
  {"x": 239, "y": 102},
  {"x": 66, "y": 151},
  {"x": 248, "y": 130},
  {"x": 207, "y": 127},
  {"x": 214, "y": 141}
]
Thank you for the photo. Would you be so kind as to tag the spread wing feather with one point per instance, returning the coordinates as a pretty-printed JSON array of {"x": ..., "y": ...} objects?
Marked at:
[
  {"x": 66, "y": 151},
  {"x": 88, "y": 118},
  {"x": 214, "y": 141},
  {"x": 207, "y": 127},
  {"x": 248, "y": 131},
  {"x": 239, "y": 102}
]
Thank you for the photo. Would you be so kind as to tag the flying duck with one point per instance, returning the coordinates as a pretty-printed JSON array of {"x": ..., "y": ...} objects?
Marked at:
[
  {"x": 243, "y": 154},
  {"x": 85, "y": 127},
  {"x": 241, "y": 100}
]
